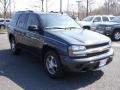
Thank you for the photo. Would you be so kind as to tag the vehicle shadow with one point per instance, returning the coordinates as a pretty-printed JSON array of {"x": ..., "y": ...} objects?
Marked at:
[{"x": 27, "y": 72}]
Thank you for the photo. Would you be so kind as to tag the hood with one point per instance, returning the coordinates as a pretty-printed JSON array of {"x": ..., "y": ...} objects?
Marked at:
[{"x": 80, "y": 37}]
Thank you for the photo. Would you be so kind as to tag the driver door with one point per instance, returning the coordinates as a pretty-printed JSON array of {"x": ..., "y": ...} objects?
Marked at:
[{"x": 34, "y": 38}]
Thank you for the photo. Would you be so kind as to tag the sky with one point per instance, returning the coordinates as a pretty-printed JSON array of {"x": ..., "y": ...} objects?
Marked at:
[{"x": 53, "y": 5}]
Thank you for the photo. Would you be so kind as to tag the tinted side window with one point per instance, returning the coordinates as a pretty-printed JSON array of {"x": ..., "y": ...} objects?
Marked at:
[
  {"x": 7, "y": 20},
  {"x": 33, "y": 20},
  {"x": 14, "y": 19},
  {"x": 22, "y": 21},
  {"x": 97, "y": 19},
  {"x": 105, "y": 19}
]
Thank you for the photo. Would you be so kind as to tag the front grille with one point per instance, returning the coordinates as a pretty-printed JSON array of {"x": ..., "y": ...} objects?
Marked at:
[
  {"x": 94, "y": 54},
  {"x": 96, "y": 46},
  {"x": 95, "y": 50},
  {"x": 98, "y": 53}
]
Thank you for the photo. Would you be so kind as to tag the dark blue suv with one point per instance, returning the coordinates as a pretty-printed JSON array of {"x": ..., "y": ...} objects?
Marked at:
[{"x": 59, "y": 41}]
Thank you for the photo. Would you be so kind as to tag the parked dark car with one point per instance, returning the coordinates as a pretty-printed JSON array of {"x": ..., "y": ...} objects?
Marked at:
[
  {"x": 59, "y": 41},
  {"x": 111, "y": 29}
]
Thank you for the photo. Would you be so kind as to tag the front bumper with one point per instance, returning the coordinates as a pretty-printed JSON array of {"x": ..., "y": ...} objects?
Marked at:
[{"x": 85, "y": 64}]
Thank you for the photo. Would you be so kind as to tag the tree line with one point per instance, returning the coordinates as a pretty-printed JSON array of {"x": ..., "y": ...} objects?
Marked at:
[
  {"x": 84, "y": 8},
  {"x": 110, "y": 7}
]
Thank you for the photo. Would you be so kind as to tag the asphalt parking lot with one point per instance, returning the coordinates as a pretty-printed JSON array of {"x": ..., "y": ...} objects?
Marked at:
[{"x": 26, "y": 72}]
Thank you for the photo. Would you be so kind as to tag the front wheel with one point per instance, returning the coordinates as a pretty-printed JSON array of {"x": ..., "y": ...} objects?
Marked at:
[
  {"x": 53, "y": 65},
  {"x": 116, "y": 35},
  {"x": 14, "y": 47}
]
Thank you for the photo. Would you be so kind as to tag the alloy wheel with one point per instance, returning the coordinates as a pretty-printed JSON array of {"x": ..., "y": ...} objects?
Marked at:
[
  {"x": 117, "y": 36},
  {"x": 51, "y": 64}
]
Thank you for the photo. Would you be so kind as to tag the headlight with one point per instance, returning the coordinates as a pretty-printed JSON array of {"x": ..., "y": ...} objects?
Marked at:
[
  {"x": 108, "y": 28},
  {"x": 110, "y": 43},
  {"x": 76, "y": 50}
]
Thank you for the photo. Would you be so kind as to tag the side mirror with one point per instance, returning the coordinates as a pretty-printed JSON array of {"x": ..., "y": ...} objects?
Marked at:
[{"x": 33, "y": 28}]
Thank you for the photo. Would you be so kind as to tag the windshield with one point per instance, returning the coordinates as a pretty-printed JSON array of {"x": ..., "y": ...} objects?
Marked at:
[
  {"x": 116, "y": 19},
  {"x": 112, "y": 18},
  {"x": 58, "y": 21},
  {"x": 89, "y": 18}
]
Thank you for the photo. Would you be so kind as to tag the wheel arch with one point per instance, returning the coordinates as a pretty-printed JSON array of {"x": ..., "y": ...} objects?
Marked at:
[
  {"x": 47, "y": 48},
  {"x": 86, "y": 27},
  {"x": 10, "y": 37}
]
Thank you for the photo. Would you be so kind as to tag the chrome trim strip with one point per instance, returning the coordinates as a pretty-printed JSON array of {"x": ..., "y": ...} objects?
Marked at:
[{"x": 106, "y": 55}]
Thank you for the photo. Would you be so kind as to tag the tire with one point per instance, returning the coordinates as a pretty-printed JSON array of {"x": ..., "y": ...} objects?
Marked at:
[
  {"x": 14, "y": 47},
  {"x": 116, "y": 35},
  {"x": 53, "y": 65}
]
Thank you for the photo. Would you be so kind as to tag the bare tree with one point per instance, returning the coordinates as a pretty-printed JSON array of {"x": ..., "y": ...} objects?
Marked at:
[
  {"x": 4, "y": 6},
  {"x": 109, "y": 7},
  {"x": 88, "y": 4}
]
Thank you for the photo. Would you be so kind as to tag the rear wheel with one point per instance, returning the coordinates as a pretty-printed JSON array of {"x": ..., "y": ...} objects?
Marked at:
[
  {"x": 14, "y": 47},
  {"x": 116, "y": 35},
  {"x": 53, "y": 65}
]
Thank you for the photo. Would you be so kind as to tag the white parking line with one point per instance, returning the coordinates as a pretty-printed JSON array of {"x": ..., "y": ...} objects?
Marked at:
[{"x": 116, "y": 44}]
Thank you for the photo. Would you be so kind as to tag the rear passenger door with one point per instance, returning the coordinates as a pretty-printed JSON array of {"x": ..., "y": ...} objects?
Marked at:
[{"x": 20, "y": 30}]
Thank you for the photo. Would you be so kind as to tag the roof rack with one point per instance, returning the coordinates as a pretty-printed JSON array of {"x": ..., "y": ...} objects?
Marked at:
[
  {"x": 30, "y": 11},
  {"x": 26, "y": 11},
  {"x": 56, "y": 12}
]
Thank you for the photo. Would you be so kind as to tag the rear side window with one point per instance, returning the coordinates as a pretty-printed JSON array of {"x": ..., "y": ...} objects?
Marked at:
[
  {"x": 97, "y": 19},
  {"x": 105, "y": 19},
  {"x": 14, "y": 19},
  {"x": 22, "y": 21}
]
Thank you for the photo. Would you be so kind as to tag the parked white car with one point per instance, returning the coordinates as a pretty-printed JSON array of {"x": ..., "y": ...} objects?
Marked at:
[
  {"x": 87, "y": 22},
  {"x": 4, "y": 22}
]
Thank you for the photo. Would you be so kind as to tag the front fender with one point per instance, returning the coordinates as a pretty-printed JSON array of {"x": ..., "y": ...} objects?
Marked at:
[{"x": 61, "y": 47}]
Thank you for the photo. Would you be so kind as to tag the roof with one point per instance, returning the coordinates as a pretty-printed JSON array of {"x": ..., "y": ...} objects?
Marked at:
[
  {"x": 103, "y": 15},
  {"x": 38, "y": 12}
]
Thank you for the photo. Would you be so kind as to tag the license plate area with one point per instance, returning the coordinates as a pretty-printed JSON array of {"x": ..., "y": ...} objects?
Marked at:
[{"x": 103, "y": 62}]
